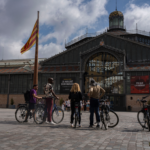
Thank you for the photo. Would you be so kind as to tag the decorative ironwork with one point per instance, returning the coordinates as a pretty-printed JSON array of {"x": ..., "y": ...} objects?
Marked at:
[
  {"x": 102, "y": 42},
  {"x": 99, "y": 33},
  {"x": 116, "y": 14}
]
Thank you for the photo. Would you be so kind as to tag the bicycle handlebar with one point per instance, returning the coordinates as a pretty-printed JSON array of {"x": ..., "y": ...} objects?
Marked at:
[
  {"x": 142, "y": 99},
  {"x": 49, "y": 97},
  {"x": 145, "y": 97}
]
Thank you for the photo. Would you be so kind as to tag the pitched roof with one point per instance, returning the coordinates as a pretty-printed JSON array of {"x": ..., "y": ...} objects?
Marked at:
[
  {"x": 30, "y": 69},
  {"x": 113, "y": 34}
]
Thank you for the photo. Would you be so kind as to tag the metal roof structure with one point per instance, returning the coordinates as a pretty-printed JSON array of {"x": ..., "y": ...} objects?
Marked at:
[{"x": 19, "y": 62}]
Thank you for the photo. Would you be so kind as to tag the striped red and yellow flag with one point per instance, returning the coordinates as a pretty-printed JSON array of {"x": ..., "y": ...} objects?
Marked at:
[{"x": 32, "y": 39}]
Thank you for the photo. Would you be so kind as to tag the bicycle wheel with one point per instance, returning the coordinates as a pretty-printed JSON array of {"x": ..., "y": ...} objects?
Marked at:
[
  {"x": 57, "y": 115},
  {"x": 76, "y": 118},
  {"x": 21, "y": 113},
  {"x": 148, "y": 123},
  {"x": 112, "y": 119},
  {"x": 39, "y": 115},
  {"x": 141, "y": 120},
  {"x": 103, "y": 122}
]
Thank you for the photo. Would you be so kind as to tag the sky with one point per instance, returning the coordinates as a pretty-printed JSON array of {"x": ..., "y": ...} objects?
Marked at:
[{"x": 60, "y": 21}]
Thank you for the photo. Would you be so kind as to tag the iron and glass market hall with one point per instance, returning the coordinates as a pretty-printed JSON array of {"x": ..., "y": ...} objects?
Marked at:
[{"x": 117, "y": 59}]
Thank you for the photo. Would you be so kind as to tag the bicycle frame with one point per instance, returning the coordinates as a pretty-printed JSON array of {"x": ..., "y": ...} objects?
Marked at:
[
  {"x": 55, "y": 108},
  {"x": 145, "y": 111},
  {"x": 76, "y": 107}
]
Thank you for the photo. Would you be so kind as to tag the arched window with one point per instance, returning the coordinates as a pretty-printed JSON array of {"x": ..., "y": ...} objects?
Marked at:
[
  {"x": 103, "y": 63},
  {"x": 105, "y": 70}
]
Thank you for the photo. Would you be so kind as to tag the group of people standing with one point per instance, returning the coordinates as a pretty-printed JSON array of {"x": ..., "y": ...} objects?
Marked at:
[
  {"x": 95, "y": 93},
  {"x": 66, "y": 105},
  {"x": 85, "y": 105},
  {"x": 48, "y": 91}
]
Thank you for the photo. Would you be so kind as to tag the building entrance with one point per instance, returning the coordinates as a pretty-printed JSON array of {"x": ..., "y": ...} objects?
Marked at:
[{"x": 104, "y": 68}]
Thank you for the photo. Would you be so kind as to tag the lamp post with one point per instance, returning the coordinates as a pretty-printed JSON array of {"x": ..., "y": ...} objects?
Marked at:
[{"x": 7, "y": 105}]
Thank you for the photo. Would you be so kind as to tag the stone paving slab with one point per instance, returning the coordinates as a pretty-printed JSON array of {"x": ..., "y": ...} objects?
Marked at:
[{"x": 127, "y": 135}]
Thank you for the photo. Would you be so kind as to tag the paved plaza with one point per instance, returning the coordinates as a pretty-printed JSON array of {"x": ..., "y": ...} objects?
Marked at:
[{"x": 127, "y": 135}]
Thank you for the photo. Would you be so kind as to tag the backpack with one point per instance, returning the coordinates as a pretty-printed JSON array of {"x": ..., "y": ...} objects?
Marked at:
[{"x": 27, "y": 96}]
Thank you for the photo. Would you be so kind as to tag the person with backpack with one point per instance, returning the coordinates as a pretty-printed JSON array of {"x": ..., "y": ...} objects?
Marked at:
[
  {"x": 32, "y": 102},
  {"x": 48, "y": 91},
  {"x": 94, "y": 94},
  {"x": 75, "y": 96}
]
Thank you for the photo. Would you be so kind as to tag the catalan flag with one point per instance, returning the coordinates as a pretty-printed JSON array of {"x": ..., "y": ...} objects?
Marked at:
[{"x": 32, "y": 39}]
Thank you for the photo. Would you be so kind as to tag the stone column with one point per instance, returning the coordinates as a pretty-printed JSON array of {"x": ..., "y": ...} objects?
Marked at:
[{"x": 124, "y": 78}]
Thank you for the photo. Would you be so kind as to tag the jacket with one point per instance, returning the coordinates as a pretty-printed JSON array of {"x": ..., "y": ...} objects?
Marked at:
[{"x": 75, "y": 96}]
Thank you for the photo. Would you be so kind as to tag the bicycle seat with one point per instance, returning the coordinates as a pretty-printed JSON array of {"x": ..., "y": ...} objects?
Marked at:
[
  {"x": 102, "y": 100},
  {"x": 144, "y": 97},
  {"x": 143, "y": 101}
]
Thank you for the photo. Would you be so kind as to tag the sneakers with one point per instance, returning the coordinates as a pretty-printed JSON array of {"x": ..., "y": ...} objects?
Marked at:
[
  {"x": 80, "y": 125},
  {"x": 72, "y": 125},
  {"x": 95, "y": 123},
  {"x": 47, "y": 121},
  {"x": 52, "y": 123}
]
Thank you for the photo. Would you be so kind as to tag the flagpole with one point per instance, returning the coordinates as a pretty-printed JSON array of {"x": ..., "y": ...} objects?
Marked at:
[{"x": 35, "y": 79}]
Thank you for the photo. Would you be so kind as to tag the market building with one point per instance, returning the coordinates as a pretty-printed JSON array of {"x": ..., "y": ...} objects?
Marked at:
[{"x": 117, "y": 59}]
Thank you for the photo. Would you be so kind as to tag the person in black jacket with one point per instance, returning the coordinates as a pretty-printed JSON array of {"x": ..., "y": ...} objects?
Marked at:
[{"x": 75, "y": 96}]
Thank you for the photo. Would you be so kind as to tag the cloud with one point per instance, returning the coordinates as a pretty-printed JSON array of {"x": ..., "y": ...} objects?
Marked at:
[
  {"x": 70, "y": 17},
  {"x": 66, "y": 17},
  {"x": 137, "y": 14}
]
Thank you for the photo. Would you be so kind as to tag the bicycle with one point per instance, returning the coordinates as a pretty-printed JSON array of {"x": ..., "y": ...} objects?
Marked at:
[
  {"x": 108, "y": 117},
  {"x": 76, "y": 113},
  {"x": 22, "y": 110},
  {"x": 41, "y": 113},
  {"x": 143, "y": 115}
]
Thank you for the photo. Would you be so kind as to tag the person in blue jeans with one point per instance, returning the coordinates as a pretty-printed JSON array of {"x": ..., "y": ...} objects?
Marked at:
[{"x": 95, "y": 93}]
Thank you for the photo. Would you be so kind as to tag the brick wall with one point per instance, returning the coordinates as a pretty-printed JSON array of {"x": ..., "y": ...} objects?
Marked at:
[
  {"x": 135, "y": 106},
  {"x": 19, "y": 99}
]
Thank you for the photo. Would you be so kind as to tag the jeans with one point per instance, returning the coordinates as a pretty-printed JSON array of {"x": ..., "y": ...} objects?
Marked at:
[
  {"x": 49, "y": 107},
  {"x": 94, "y": 107}
]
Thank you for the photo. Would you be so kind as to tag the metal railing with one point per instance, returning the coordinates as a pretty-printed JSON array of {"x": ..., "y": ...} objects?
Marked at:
[
  {"x": 83, "y": 37},
  {"x": 99, "y": 33},
  {"x": 116, "y": 26},
  {"x": 138, "y": 32}
]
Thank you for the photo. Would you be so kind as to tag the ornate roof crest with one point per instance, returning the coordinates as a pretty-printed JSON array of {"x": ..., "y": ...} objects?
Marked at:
[{"x": 101, "y": 42}]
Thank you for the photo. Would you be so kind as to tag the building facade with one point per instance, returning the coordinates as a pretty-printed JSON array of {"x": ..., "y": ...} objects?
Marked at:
[{"x": 117, "y": 59}]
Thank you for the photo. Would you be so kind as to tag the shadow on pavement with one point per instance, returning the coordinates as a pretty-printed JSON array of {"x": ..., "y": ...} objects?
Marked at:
[
  {"x": 67, "y": 127},
  {"x": 11, "y": 122},
  {"x": 133, "y": 130}
]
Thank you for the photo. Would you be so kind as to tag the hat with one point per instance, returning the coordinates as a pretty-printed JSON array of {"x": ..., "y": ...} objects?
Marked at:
[{"x": 93, "y": 82}]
